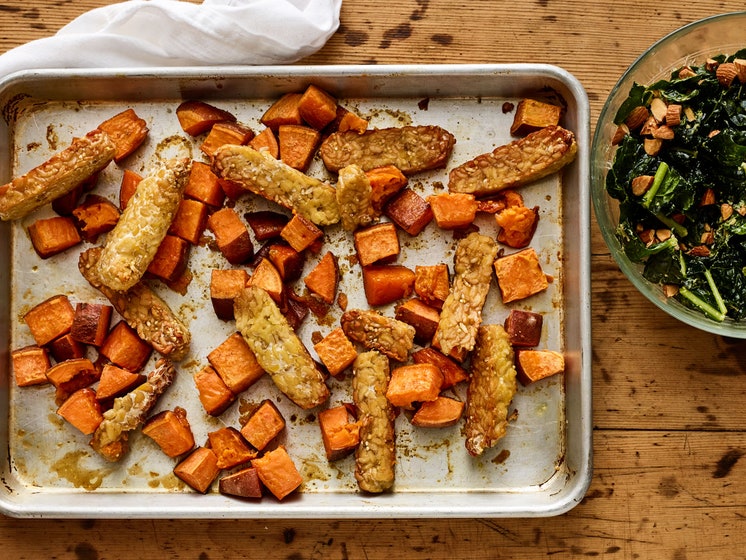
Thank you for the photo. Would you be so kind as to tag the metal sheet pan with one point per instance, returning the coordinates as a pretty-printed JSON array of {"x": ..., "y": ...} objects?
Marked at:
[{"x": 541, "y": 468}]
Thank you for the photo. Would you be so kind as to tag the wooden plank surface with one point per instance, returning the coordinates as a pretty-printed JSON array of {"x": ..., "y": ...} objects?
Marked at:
[{"x": 668, "y": 399}]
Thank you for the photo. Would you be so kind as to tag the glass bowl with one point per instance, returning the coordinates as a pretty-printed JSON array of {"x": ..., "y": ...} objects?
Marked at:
[{"x": 691, "y": 44}]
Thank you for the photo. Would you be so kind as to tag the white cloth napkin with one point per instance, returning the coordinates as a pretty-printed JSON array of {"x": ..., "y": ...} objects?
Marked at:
[{"x": 140, "y": 33}]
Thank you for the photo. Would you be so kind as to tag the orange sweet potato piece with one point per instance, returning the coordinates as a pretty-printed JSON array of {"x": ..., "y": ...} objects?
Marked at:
[
  {"x": 231, "y": 235},
  {"x": 287, "y": 261},
  {"x": 534, "y": 365},
  {"x": 198, "y": 469},
  {"x": 377, "y": 243},
  {"x": 336, "y": 352},
  {"x": 203, "y": 185},
  {"x": 298, "y": 145},
  {"x": 214, "y": 394},
  {"x": 385, "y": 182},
  {"x": 51, "y": 236},
  {"x": 91, "y": 323},
  {"x": 283, "y": 111},
  {"x": 300, "y": 233},
  {"x": 82, "y": 410},
  {"x": 409, "y": 211},
  {"x": 70, "y": 376},
  {"x": 116, "y": 381},
  {"x": 30, "y": 365},
  {"x": 170, "y": 260},
  {"x": 230, "y": 447},
  {"x": 431, "y": 284},
  {"x": 387, "y": 283},
  {"x": 235, "y": 363},
  {"x": 226, "y": 133},
  {"x": 277, "y": 472},
  {"x": 225, "y": 285},
  {"x": 519, "y": 275},
  {"x": 517, "y": 225},
  {"x": 130, "y": 180},
  {"x": 65, "y": 347},
  {"x": 243, "y": 484},
  {"x": 264, "y": 425},
  {"x": 350, "y": 121},
  {"x": 127, "y": 131},
  {"x": 189, "y": 221},
  {"x": 125, "y": 348},
  {"x": 323, "y": 280},
  {"x": 440, "y": 413},
  {"x": 267, "y": 277},
  {"x": 170, "y": 429},
  {"x": 453, "y": 210},
  {"x": 266, "y": 140},
  {"x": 317, "y": 107},
  {"x": 532, "y": 114},
  {"x": 196, "y": 117},
  {"x": 452, "y": 372},
  {"x": 414, "y": 383},
  {"x": 339, "y": 434},
  {"x": 50, "y": 319},
  {"x": 95, "y": 216},
  {"x": 421, "y": 316}
]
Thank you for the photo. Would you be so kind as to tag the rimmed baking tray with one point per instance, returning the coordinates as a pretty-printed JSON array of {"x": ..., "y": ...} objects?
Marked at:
[{"x": 541, "y": 468}]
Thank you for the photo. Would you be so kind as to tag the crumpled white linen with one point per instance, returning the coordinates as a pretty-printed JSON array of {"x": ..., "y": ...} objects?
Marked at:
[{"x": 142, "y": 33}]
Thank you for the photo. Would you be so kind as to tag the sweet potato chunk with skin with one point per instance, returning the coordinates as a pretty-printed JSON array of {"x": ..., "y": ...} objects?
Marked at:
[
  {"x": 385, "y": 182},
  {"x": 266, "y": 140},
  {"x": 298, "y": 145},
  {"x": 532, "y": 114},
  {"x": 283, "y": 111},
  {"x": 199, "y": 469},
  {"x": 95, "y": 216},
  {"x": 130, "y": 180},
  {"x": 214, "y": 394},
  {"x": 266, "y": 224},
  {"x": 243, "y": 484},
  {"x": 385, "y": 284},
  {"x": 226, "y": 133},
  {"x": 116, "y": 381},
  {"x": 534, "y": 365},
  {"x": 189, "y": 221},
  {"x": 203, "y": 185},
  {"x": 70, "y": 376},
  {"x": 65, "y": 347},
  {"x": 519, "y": 275},
  {"x": 517, "y": 225},
  {"x": 432, "y": 284},
  {"x": 264, "y": 425},
  {"x": 336, "y": 352},
  {"x": 452, "y": 372},
  {"x": 268, "y": 279},
  {"x": 317, "y": 107},
  {"x": 350, "y": 121},
  {"x": 49, "y": 319},
  {"x": 340, "y": 436},
  {"x": 225, "y": 285},
  {"x": 376, "y": 243},
  {"x": 230, "y": 447},
  {"x": 127, "y": 131},
  {"x": 125, "y": 348},
  {"x": 232, "y": 236},
  {"x": 170, "y": 429},
  {"x": 91, "y": 323},
  {"x": 277, "y": 472},
  {"x": 440, "y": 413},
  {"x": 453, "y": 210},
  {"x": 287, "y": 261},
  {"x": 51, "y": 236},
  {"x": 409, "y": 211},
  {"x": 170, "y": 260},
  {"x": 235, "y": 363},
  {"x": 414, "y": 383},
  {"x": 323, "y": 280},
  {"x": 196, "y": 117},
  {"x": 82, "y": 410},
  {"x": 30, "y": 365},
  {"x": 523, "y": 328},
  {"x": 421, "y": 316},
  {"x": 300, "y": 233}
]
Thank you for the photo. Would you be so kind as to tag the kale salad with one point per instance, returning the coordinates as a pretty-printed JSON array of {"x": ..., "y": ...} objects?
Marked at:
[{"x": 679, "y": 174}]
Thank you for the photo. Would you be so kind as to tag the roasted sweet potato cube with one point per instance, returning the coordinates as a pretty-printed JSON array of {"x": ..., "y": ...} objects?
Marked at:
[
  {"x": 266, "y": 140},
  {"x": 49, "y": 319},
  {"x": 295, "y": 312},
  {"x": 387, "y": 283},
  {"x": 65, "y": 204},
  {"x": 519, "y": 275},
  {"x": 65, "y": 347},
  {"x": 170, "y": 260},
  {"x": 71, "y": 375},
  {"x": 524, "y": 327},
  {"x": 264, "y": 425},
  {"x": 203, "y": 185},
  {"x": 378, "y": 243},
  {"x": 235, "y": 363},
  {"x": 130, "y": 180},
  {"x": 440, "y": 413},
  {"x": 336, "y": 352},
  {"x": 288, "y": 262},
  {"x": 453, "y": 210},
  {"x": 457, "y": 353},
  {"x": 340, "y": 434},
  {"x": 242, "y": 484},
  {"x": 82, "y": 410},
  {"x": 51, "y": 236},
  {"x": 127, "y": 131},
  {"x": 300, "y": 233},
  {"x": 283, "y": 111},
  {"x": 230, "y": 447},
  {"x": 421, "y": 316},
  {"x": 277, "y": 472},
  {"x": 534, "y": 365},
  {"x": 232, "y": 235},
  {"x": 267, "y": 277},
  {"x": 125, "y": 348},
  {"x": 196, "y": 117},
  {"x": 190, "y": 220},
  {"x": 170, "y": 429},
  {"x": 532, "y": 114},
  {"x": 298, "y": 145},
  {"x": 91, "y": 323},
  {"x": 409, "y": 211},
  {"x": 225, "y": 285},
  {"x": 199, "y": 469},
  {"x": 317, "y": 107},
  {"x": 266, "y": 224},
  {"x": 116, "y": 381},
  {"x": 414, "y": 383},
  {"x": 30, "y": 365},
  {"x": 350, "y": 121},
  {"x": 452, "y": 372},
  {"x": 323, "y": 279},
  {"x": 214, "y": 394},
  {"x": 385, "y": 182},
  {"x": 431, "y": 284},
  {"x": 226, "y": 133},
  {"x": 95, "y": 216}
]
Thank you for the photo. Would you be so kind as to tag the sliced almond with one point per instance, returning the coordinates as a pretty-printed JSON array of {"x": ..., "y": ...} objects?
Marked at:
[
  {"x": 621, "y": 131},
  {"x": 673, "y": 114},
  {"x": 663, "y": 132},
  {"x": 637, "y": 117},
  {"x": 652, "y": 146},
  {"x": 641, "y": 184},
  {"x": 689, "y": 113},
  {"x": 686, "y": 72},
  {"x": 726, "y": 211},
  {"x": 670, "y": 290},
  {"x": 658, "y": 108},
  {"x": 708, "y": 198},
  {"x": 740, "y": 64},
  {"x": 726, "y": 73},
  {"x": 711, "y": 64},
  {"x": 663, "y": 234}
]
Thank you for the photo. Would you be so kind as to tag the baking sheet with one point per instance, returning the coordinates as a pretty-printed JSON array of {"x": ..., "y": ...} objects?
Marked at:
[{"x": 543, "y": 465}]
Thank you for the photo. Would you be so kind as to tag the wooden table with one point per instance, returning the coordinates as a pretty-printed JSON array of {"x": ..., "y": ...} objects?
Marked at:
[{"x": 668, "y": 400}]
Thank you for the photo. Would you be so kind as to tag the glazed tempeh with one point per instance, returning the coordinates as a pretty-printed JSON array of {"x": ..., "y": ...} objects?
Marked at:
[
  {"x": 129, "y": 411},
  {"x": 57, "y": 176},
  {"x": 410, "y": 148},
  {"x": 492, "y": 386},
  {"x": 278, "y": 349},
  {"x": 134, "y": 241},
  {"x": 354, "y": 198},
  {"x": 257, "y": 171},
  {"x": 523, "y": 161},
  {"x": 375, "y": 456},
  {"x": 143, "y": 310},
  {"x": 462, "y": 310},
  {"x": 389, "y": 336}
]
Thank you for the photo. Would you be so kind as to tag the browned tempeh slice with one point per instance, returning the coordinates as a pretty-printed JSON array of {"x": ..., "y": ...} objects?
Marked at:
[
  {"x": 143, "y": 310},
  {"x": 523, "y": 161},
  {"x": 389, "y": 336},
  {"x": 410, "y": 148},
  {"x": 57, "y": 176}
]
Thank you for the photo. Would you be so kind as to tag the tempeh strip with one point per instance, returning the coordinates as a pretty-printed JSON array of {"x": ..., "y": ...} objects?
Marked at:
[
  {"x": 134, "y": 241},
  {"x": 257, "y": 171},
  {"x": 129, "y": 411},
  {"x": 523, "y": 161},
  {"x": 375, "y": 456},
  {"x": 410, "y": 148},
  {"x": 57, "y": 176},
  {"x": 389, "y": 336},
  {"x": 492, "y": 386},
  {"x": 462, "y": 310},
  {"x": 278, "y": 349},
  {"x": 143, "y": 310},
  {"x": 354, "y": 198}
]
